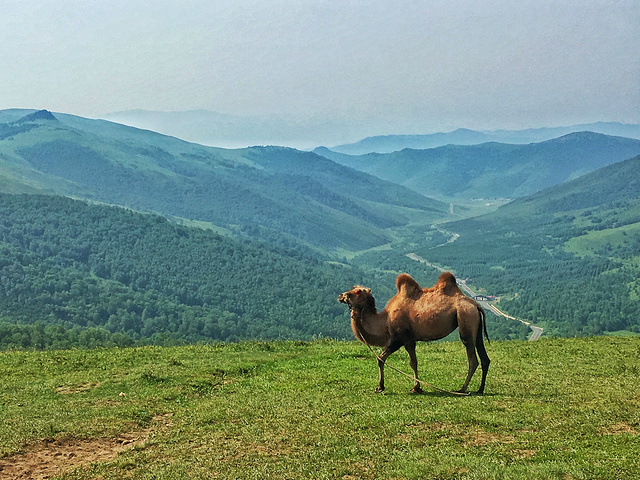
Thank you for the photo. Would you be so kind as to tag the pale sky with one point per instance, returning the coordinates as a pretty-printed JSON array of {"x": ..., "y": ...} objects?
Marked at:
[{"x": 398, "y": 66}]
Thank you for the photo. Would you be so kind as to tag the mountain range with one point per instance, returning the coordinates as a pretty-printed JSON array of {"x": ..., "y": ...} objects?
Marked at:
[
  {"x": 263, "y": 192},
  {"x": 463, "y": 136},
  {"x": 233, "y": 131},
  {"x": 287, "y": 230},
  {"x": 493, "y": 170}
]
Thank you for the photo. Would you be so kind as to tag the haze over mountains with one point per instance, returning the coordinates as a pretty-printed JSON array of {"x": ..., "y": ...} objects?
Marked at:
[
  {"x": 231, "y": 131},
  {"x": 463, "y": 136},
  {"x": 302, "y": 227}
]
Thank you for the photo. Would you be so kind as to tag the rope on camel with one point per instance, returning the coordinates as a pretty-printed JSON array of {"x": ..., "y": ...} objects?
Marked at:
[{"x": 412, "y": 377}]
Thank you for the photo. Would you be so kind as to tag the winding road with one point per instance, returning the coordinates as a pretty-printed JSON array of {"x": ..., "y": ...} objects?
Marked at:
[{"x": 536, "y": 331}]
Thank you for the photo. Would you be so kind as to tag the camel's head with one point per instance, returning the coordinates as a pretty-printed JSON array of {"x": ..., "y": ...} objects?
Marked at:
[{"x": 358, "y": 296}]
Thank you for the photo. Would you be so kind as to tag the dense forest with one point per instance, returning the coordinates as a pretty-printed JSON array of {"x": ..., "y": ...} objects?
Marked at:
[
  {"x": 74, "y": 274},
  {"x": 67, "y": 263},
  {"x": 567, "y": 294}
]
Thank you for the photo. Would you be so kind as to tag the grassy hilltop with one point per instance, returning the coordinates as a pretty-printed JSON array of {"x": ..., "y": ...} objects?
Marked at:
[{"x": 553, "y": 409}]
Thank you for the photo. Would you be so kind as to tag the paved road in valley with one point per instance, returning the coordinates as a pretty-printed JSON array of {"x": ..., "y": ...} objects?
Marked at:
[{"x": 536, "y": 331}]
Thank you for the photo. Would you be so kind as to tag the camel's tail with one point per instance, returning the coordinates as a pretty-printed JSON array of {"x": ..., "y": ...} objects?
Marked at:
[{"x": 483, "y": 323}]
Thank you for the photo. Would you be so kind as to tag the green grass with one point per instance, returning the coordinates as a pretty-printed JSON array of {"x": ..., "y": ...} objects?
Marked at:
[
  {"x": 553, "y": 409},
  {"x": 591, "y": 242}
]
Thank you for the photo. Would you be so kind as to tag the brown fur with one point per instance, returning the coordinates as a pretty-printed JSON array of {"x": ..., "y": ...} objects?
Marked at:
[
  {"x": 407, "y": 286},
  {"x": 419, "y": 314}
]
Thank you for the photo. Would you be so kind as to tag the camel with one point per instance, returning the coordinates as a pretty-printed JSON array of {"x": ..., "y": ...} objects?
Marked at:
[{"x": 419, "y": 314}]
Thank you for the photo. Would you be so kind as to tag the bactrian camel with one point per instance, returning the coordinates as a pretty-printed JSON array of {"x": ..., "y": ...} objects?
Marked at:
[{"x": 419, "y": 314}]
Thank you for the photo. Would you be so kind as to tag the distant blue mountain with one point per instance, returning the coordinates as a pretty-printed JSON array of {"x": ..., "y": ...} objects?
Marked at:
[
  {"x": 493, "y": 170},
  {"x": 394, "y": 143}
]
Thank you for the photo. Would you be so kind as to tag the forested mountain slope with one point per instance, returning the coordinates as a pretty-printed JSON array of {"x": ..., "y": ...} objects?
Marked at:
[
  {"x": 567, "y": 258},
  {"x": 494, "y": 170},
  {"x": 104, "y": 271},
  {"x": 76, "y": 274},
  {"x": 266, "y": 192}
]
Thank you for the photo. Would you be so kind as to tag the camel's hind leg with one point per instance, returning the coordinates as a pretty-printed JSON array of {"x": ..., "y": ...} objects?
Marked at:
[
  {"x": 472, "y": 340},
  {"x": 472, "y": 359},
  {"x": 484, "y": 360}
]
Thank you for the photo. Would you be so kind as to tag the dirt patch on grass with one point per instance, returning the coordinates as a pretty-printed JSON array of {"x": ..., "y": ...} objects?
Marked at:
[
  {"x": 470, "y": 436},
  {"x": 54, "y": 457},
  {"x": 68, "y": 389},
  {"x": 520, "y": 453},
  {"x": 618, "y": 429},
  {"x": 480, "y": 438}
]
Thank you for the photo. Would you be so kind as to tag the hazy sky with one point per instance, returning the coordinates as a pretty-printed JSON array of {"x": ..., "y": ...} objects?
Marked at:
[{"x": 396, "y": 66}]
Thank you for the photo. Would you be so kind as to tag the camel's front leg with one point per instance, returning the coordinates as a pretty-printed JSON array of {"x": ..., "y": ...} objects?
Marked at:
[
  {"x": 413, "y": 361},
  {"x": 392, "y": 346}
]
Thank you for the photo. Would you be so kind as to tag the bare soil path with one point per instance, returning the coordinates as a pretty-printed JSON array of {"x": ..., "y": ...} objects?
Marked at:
[{"x": 54, "y": 457}]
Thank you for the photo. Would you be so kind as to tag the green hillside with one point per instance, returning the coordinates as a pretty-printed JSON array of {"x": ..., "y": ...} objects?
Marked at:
[
  {"x": 553, "y": 409},
  {"x": 298, "y": 229},
  {"x": 263, "y": 192},
  {"x": 493, "y": 170},
  {"x": 79, "y": 275},
  {"x": 567, "y": 258},
  {"x": 79, "y": 270},
  {"x": 74, "y": 274}
]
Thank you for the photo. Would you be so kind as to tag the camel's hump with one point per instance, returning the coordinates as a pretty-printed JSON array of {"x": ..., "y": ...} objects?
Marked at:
[
  {"x": 405, "y": 282},
  {"x": 447, "y": 282},
  {"x": 447, "y": 278}
]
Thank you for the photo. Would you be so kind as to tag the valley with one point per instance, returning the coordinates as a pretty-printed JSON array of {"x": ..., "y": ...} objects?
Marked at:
[{"x": 198, "y": 228}]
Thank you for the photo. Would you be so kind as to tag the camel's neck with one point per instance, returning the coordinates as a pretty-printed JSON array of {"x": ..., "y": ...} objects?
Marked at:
[{"x": 369, "y": 326}]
